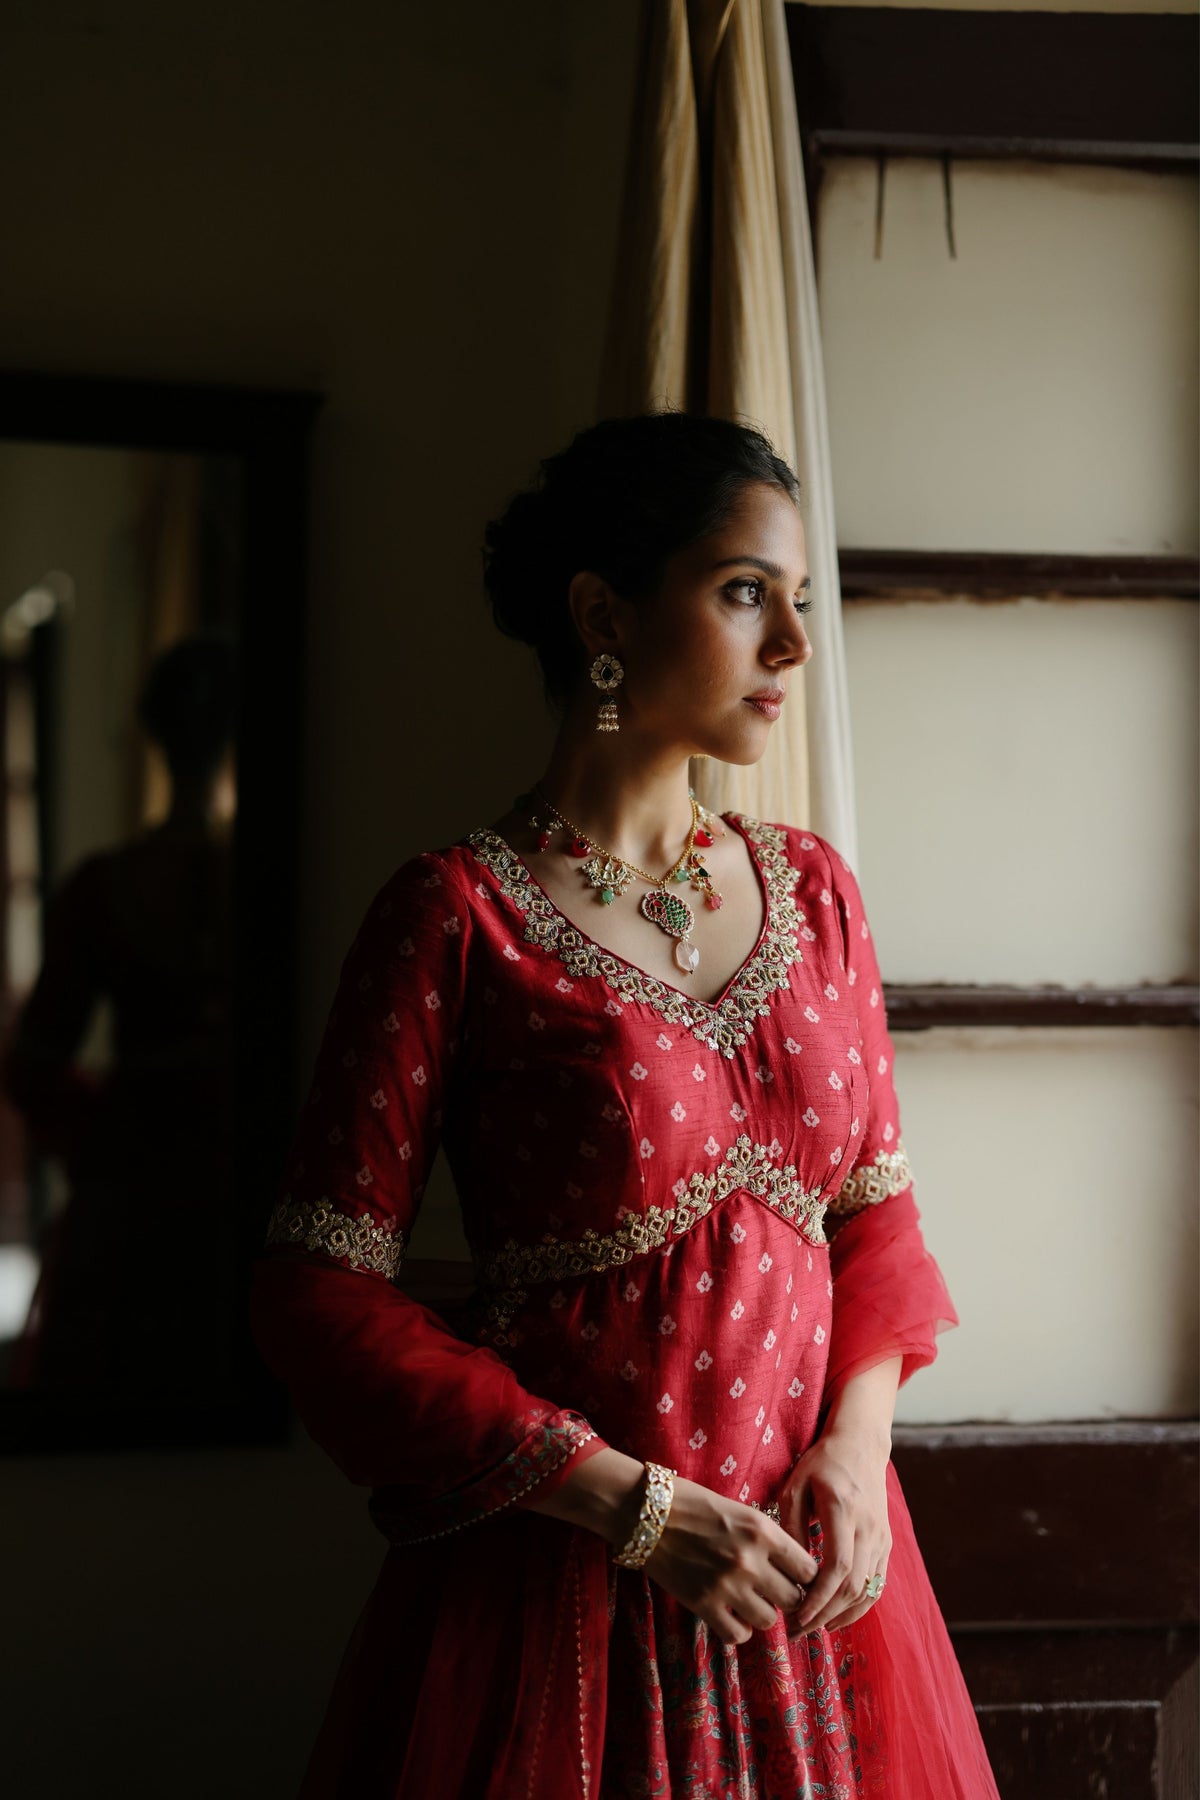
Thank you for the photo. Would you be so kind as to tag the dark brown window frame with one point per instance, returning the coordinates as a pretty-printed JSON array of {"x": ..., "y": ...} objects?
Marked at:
[
  {"x": 921, "y": 1008},
  {"x": 1068, "y": 87},
  {"x": 992, "y": 575}
]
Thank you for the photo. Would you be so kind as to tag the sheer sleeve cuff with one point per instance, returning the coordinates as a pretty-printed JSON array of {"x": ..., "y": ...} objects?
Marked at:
[
  {"x": 889, "y": 1296},
  {"x": 553, "y": 1446}
]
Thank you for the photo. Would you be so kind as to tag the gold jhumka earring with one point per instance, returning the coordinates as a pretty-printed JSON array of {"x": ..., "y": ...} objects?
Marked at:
[{"x": 608, "y": 673}]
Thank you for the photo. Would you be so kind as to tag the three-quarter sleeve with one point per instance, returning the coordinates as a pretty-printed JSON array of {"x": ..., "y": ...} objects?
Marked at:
[
  {"x": 889, "y": 1297},
  {"x": 439, "y": 1427}
]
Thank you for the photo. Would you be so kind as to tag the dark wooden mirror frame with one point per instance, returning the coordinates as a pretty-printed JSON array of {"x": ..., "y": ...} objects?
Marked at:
[{"x": 269, "y": 432}]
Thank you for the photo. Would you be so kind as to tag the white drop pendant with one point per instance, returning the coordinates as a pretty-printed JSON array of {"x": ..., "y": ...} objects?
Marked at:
[{"x": 687, "y": 957}]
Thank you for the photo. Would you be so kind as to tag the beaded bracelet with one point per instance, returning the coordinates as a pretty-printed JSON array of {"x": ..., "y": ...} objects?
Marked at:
[{"x": 656, "y": 1504}]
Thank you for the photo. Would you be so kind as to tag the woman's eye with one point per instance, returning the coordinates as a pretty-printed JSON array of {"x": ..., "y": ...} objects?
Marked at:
[
  {"x": 746, "y": 581},
  {"x": 732, "y": 588}
]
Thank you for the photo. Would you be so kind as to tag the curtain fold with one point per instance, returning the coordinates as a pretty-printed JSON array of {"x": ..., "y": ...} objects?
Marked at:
[{"x": 714, "y": 309}]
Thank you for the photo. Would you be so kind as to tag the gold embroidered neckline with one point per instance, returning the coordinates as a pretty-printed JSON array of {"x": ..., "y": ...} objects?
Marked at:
[
  {"x": 723, "y": 1024},
  {"x": 712, "y": 1005}
]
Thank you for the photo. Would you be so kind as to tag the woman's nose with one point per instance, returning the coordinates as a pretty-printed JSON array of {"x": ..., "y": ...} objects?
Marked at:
[{"x": 792, "y": 645}]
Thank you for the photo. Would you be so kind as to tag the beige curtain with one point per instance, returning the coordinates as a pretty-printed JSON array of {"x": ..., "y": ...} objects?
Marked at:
[{"x": 715, "y": 309}]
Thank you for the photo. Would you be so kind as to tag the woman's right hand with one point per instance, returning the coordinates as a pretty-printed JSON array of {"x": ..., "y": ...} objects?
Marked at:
[{"x": 730, "y": 1564}]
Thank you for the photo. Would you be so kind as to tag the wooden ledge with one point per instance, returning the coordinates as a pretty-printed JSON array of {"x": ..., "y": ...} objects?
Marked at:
[{"x": 922, "y": 1007}]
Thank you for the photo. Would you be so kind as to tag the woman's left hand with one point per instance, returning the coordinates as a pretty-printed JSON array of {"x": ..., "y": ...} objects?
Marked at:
[{"x": 841, "y": 1481}]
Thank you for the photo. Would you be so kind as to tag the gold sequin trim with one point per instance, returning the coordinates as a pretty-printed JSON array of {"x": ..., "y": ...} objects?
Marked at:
[
  {"x": 872, "y": 1182},
  {"x": 316, "y": 1225},
  {"x": 723, "y": 1025},
  {"x": 746, "y": 1167}
]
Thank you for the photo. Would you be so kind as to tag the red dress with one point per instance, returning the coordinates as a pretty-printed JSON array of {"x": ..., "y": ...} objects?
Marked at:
[{"x": 690, "y": 1224}]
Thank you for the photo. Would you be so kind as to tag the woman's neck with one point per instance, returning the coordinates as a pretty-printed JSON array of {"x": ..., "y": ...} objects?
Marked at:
[{"x": 628, "y": 796}]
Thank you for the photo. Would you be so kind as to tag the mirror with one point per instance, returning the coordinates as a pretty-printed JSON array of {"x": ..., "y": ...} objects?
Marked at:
[{"x": 146, "y": 570}]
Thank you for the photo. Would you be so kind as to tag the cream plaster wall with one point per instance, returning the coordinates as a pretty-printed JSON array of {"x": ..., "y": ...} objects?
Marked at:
[
  {"x": 1035, "y": 392},
  {"x": 1026, "y": 787},
  {"x": 1055, "y": 1172}
]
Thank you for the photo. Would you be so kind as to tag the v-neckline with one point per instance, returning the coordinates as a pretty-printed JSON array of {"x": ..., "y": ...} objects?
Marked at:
[
  {"x": 723, "y": 1023},
  {"x": 636, "y": 968}
]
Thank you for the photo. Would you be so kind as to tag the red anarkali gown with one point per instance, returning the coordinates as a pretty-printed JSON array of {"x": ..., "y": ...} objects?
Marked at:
[{"x": 690, "y": 1224}]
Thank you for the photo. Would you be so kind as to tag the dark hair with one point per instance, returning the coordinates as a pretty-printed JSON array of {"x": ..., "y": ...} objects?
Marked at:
[
  {"x": 188, "y": 701},
  {"x": 623, "y": 497}
]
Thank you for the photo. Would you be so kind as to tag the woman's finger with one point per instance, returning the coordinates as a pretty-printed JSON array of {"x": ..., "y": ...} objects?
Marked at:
[
  {"x": 782, "y": 1592},
  {"x": 796, "y": 1510},
  {"x": 863, "y": 1602},
  {"x": 797, "y": 1563},
  {"x": 758, "y": 1612},
  {"x": 837, "y": 1563},
  {"x": 731, "y": 1629},
  {"x": 850, "y": 1593}
]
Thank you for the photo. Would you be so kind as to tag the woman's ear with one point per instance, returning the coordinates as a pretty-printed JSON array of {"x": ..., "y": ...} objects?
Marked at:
[{"x": 595, "y": 609}]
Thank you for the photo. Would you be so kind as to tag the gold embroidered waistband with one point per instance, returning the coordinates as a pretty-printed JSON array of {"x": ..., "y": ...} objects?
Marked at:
[{"x": 746, "y": 1166}]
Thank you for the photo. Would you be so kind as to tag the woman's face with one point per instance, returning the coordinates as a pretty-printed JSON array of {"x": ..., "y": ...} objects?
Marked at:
[{"x": 709, "y": 661}]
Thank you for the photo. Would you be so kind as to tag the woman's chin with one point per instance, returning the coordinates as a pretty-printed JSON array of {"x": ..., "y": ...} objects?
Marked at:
[{"x": 739, "y": 747}]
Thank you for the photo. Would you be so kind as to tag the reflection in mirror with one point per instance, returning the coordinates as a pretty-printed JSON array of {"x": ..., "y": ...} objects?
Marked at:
[{"x": 120, "y": 592}]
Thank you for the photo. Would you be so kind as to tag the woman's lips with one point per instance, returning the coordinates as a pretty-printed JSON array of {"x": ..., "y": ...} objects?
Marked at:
[{"x": 770, "y": 709}]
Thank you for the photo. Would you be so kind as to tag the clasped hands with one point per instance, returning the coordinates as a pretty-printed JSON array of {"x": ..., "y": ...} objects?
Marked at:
[
  {"x": 737, "y": 1569},
  {"x": 734, "y": 1566}
]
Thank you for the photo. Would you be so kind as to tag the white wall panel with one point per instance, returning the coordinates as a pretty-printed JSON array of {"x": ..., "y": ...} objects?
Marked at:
[
  {"x": 1026, "y": 779},
  {"x": 1056, "y": 1177},
  {"x": 1034, "y": 392}
]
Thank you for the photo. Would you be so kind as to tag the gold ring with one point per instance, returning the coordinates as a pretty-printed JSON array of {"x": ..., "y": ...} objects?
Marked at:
[{"x": 876, "y": 1586}]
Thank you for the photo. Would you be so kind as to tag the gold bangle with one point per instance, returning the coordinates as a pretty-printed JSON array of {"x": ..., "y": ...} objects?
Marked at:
[{"x": 656, "y": 1504}]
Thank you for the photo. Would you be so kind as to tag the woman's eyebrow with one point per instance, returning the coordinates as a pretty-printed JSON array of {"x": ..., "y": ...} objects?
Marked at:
[{"x": 758, "y": 562}]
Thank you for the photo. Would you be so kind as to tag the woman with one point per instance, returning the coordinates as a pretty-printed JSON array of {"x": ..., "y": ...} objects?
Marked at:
[
  {"x": 143, "y": 925},
  {"x": 646, "y": 1538}
]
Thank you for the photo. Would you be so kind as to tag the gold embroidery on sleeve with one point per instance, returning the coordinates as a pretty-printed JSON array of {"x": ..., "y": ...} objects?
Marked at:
[
  {"x": 724, "y": 1025},
  {"x": 872, "y": 1182},
  {"x": 365, "y": 1243}
]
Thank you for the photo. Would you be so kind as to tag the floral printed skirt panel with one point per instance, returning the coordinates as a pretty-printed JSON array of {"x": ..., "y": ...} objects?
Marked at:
[{"x": 879, "y": 1709}]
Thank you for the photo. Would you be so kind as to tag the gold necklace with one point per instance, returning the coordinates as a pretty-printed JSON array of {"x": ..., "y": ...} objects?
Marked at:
[{"x": 610, "y": 874}]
